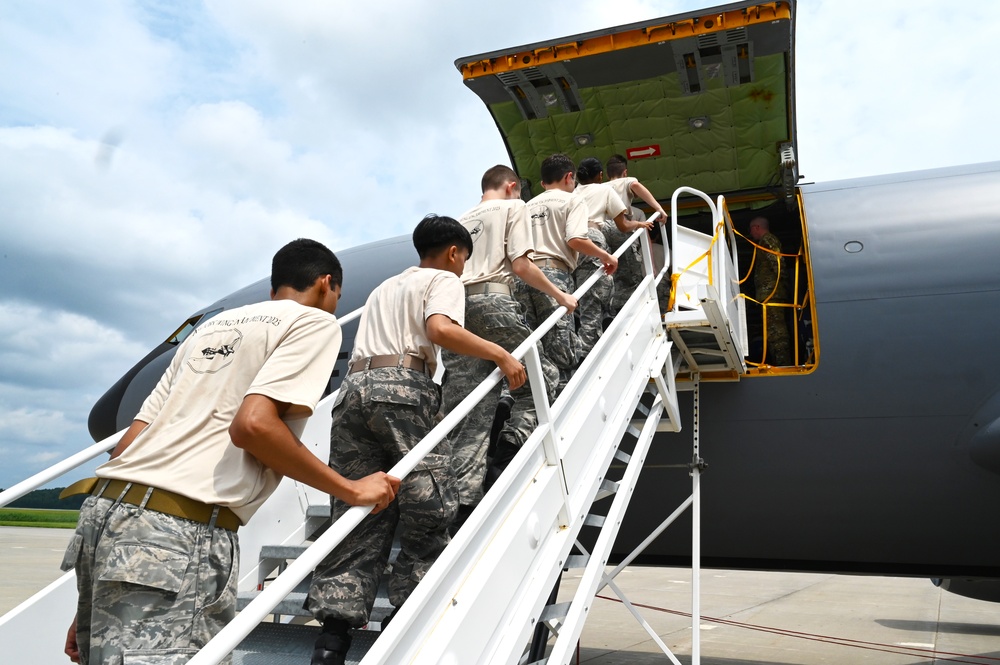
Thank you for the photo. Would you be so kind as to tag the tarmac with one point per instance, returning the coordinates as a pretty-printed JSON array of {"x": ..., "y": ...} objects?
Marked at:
[{"x": 761, "y": 618}]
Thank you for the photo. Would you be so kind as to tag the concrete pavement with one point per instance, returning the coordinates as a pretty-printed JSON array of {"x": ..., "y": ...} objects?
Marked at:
[{"x": 904, "y": 620}]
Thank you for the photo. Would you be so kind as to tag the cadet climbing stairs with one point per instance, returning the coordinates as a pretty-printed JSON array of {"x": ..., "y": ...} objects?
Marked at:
[{"x": 491, "y": 597}]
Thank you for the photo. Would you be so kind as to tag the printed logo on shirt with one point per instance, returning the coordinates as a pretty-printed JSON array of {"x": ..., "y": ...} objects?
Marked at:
[
  {"x": 538, "y": 218},
  {"x": 476, "y": 231},
  {"x": 216, "y": 352}
]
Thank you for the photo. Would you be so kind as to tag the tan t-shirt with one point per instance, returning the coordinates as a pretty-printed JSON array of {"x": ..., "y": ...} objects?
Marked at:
[
  {"x": 280, "y": 349},
  {"x": 623, "y": 187},
  {"x": 394, "y": 319},
  {"x": 603, "y": 203},
  {"x": 557, "y": 217},
  {"x": 500, "y": 234}
]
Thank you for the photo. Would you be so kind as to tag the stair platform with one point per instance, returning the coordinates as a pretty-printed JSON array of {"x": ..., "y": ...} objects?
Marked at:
[{"x": 292, "y": 644}]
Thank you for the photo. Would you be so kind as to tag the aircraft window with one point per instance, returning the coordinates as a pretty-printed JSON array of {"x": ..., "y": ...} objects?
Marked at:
[{"x": 188, "y": 326}]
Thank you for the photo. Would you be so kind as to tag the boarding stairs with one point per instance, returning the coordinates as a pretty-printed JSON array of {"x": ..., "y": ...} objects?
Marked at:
[{"x": 491, "y": 592}]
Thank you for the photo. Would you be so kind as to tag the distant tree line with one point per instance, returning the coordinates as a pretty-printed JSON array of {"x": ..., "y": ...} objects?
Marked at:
[{"x": 48, "y": 499}]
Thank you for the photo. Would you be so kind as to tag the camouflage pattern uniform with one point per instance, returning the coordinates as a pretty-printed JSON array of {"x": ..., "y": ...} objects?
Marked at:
[
  {"x": 495, "y": 317},
  {"x": 765, "y": 277},
  {"x": 154, "y": 588},
  {"x": 595, "y": 305},
  {"x": 561, "y": 344},
  {"x": 382, "y": 415},
  {"x": 630, "y": 271}
]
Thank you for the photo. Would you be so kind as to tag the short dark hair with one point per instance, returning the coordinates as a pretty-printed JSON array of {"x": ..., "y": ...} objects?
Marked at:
[
  {"x": 589, "y": 170},
  {"x": 555, "y": 167},
  {"x": 498, "y": 176},
  {"x": 301, "y": 262},
  {"x": 435, "y": 233},
  {"x": 616, "y": 166}
]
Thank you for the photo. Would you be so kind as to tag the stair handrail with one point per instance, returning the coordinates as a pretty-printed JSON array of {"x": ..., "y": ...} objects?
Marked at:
[
  {"x": 666, "y": 235},
  {"x": 677, "y": 271},
  {"x": 81, "y": 457},
  {"x": 250, "y": 616}
]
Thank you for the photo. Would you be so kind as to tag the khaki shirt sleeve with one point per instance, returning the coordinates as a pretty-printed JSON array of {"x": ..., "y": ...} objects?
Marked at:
[
  {"x": 615, "y": 206},
  {"x": 520, "y": 241},
  {"x": 299, "y": 368},
  {"x": 446, "y": 295},
  {"x": 577, "y": 218}
]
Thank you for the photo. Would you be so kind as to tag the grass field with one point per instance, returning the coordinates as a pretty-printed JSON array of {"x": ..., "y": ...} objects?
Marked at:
[{"x": 55, "y": 519}]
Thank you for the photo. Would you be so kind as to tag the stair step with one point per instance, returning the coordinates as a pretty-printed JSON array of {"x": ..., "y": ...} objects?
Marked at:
[
  {"x": 318, "y": 510},
  {"x": 292, "y": 644},
  {"x": 293, "y": 602},
  {"x": 594, "y": 520},
  {"x": 290, "y": 606},
  {"x": 557, "y": 611},
  {"x": 608, "y": 488},
  {"x": 282, "y": 551},
  {"x": 294, "y": 551}
]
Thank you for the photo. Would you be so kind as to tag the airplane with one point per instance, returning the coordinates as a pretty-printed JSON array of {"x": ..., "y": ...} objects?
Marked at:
[{"x": 878, "y": 451}]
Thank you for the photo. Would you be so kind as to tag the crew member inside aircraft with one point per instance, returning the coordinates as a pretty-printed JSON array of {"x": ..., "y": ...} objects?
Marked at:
[
  {"x": 388, "y": 403},
  {"x": 603, "y": 204},
  {"x": 770, "y": 288},
  {"x": 630, "y": 271},
  {"x": 503, "y": 245},
  {"x": 559, "y": 228},
  {"x": 156, "y": 551}
]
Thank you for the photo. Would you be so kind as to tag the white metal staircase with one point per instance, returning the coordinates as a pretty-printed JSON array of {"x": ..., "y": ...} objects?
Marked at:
[{"x": 489, "y": 590}]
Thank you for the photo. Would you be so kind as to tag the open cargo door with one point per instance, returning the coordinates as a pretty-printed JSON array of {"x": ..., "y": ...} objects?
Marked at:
[{"x": 703, "y": 100}]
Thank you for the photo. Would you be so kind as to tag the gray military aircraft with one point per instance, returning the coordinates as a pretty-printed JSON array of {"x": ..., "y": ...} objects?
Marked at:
[{"x": 877, "y": 451}]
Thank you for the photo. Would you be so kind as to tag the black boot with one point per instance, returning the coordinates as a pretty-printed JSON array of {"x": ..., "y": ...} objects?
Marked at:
[
  {"x": 505, "y": 452},
  {"x": 464, "y": 510},
  {"x": 388, "y": 618},
  {"x": 504, "y": 406},
  {"x": 332, "y": 644}
]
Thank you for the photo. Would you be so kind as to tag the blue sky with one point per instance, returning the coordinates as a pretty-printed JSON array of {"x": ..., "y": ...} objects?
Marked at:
[{"x": 153, "y": 155}]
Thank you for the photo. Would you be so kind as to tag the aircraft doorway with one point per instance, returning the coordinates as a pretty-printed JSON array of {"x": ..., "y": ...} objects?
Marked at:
[
  {"x": 770, "y": 242},
  {"x": 776, "y": 284}
]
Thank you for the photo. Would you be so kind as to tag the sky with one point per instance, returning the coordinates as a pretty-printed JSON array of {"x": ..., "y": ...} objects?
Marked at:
[{"x": 154, "y": 154}]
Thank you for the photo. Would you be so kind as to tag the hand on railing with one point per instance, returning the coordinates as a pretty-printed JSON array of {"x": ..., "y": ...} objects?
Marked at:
[
  {"x": 645, "y": 224},
  {"x": 566, "y": 300},
  {"x": 513, "y": 370},
  {"x": 378, "y": 489}
]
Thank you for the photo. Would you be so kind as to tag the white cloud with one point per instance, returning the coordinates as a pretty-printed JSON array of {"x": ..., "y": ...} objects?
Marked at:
[
  {"x": 59, "y": 350},
  {"x": 87, "y": 65},
  {"x": 36, "y": 426}
]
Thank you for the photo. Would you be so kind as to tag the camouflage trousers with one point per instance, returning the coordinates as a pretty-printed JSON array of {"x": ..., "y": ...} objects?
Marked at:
[
  {"x": 495, "y": 317},
  {"x": 630, "y": 271},
  {"x": 595, "y": 304},
  {"x": 779, "y": 351},
  {"x": 561, "y": 344},
  {"x": 382, "y": 414},
  {"x": 154, "y": 588}
]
